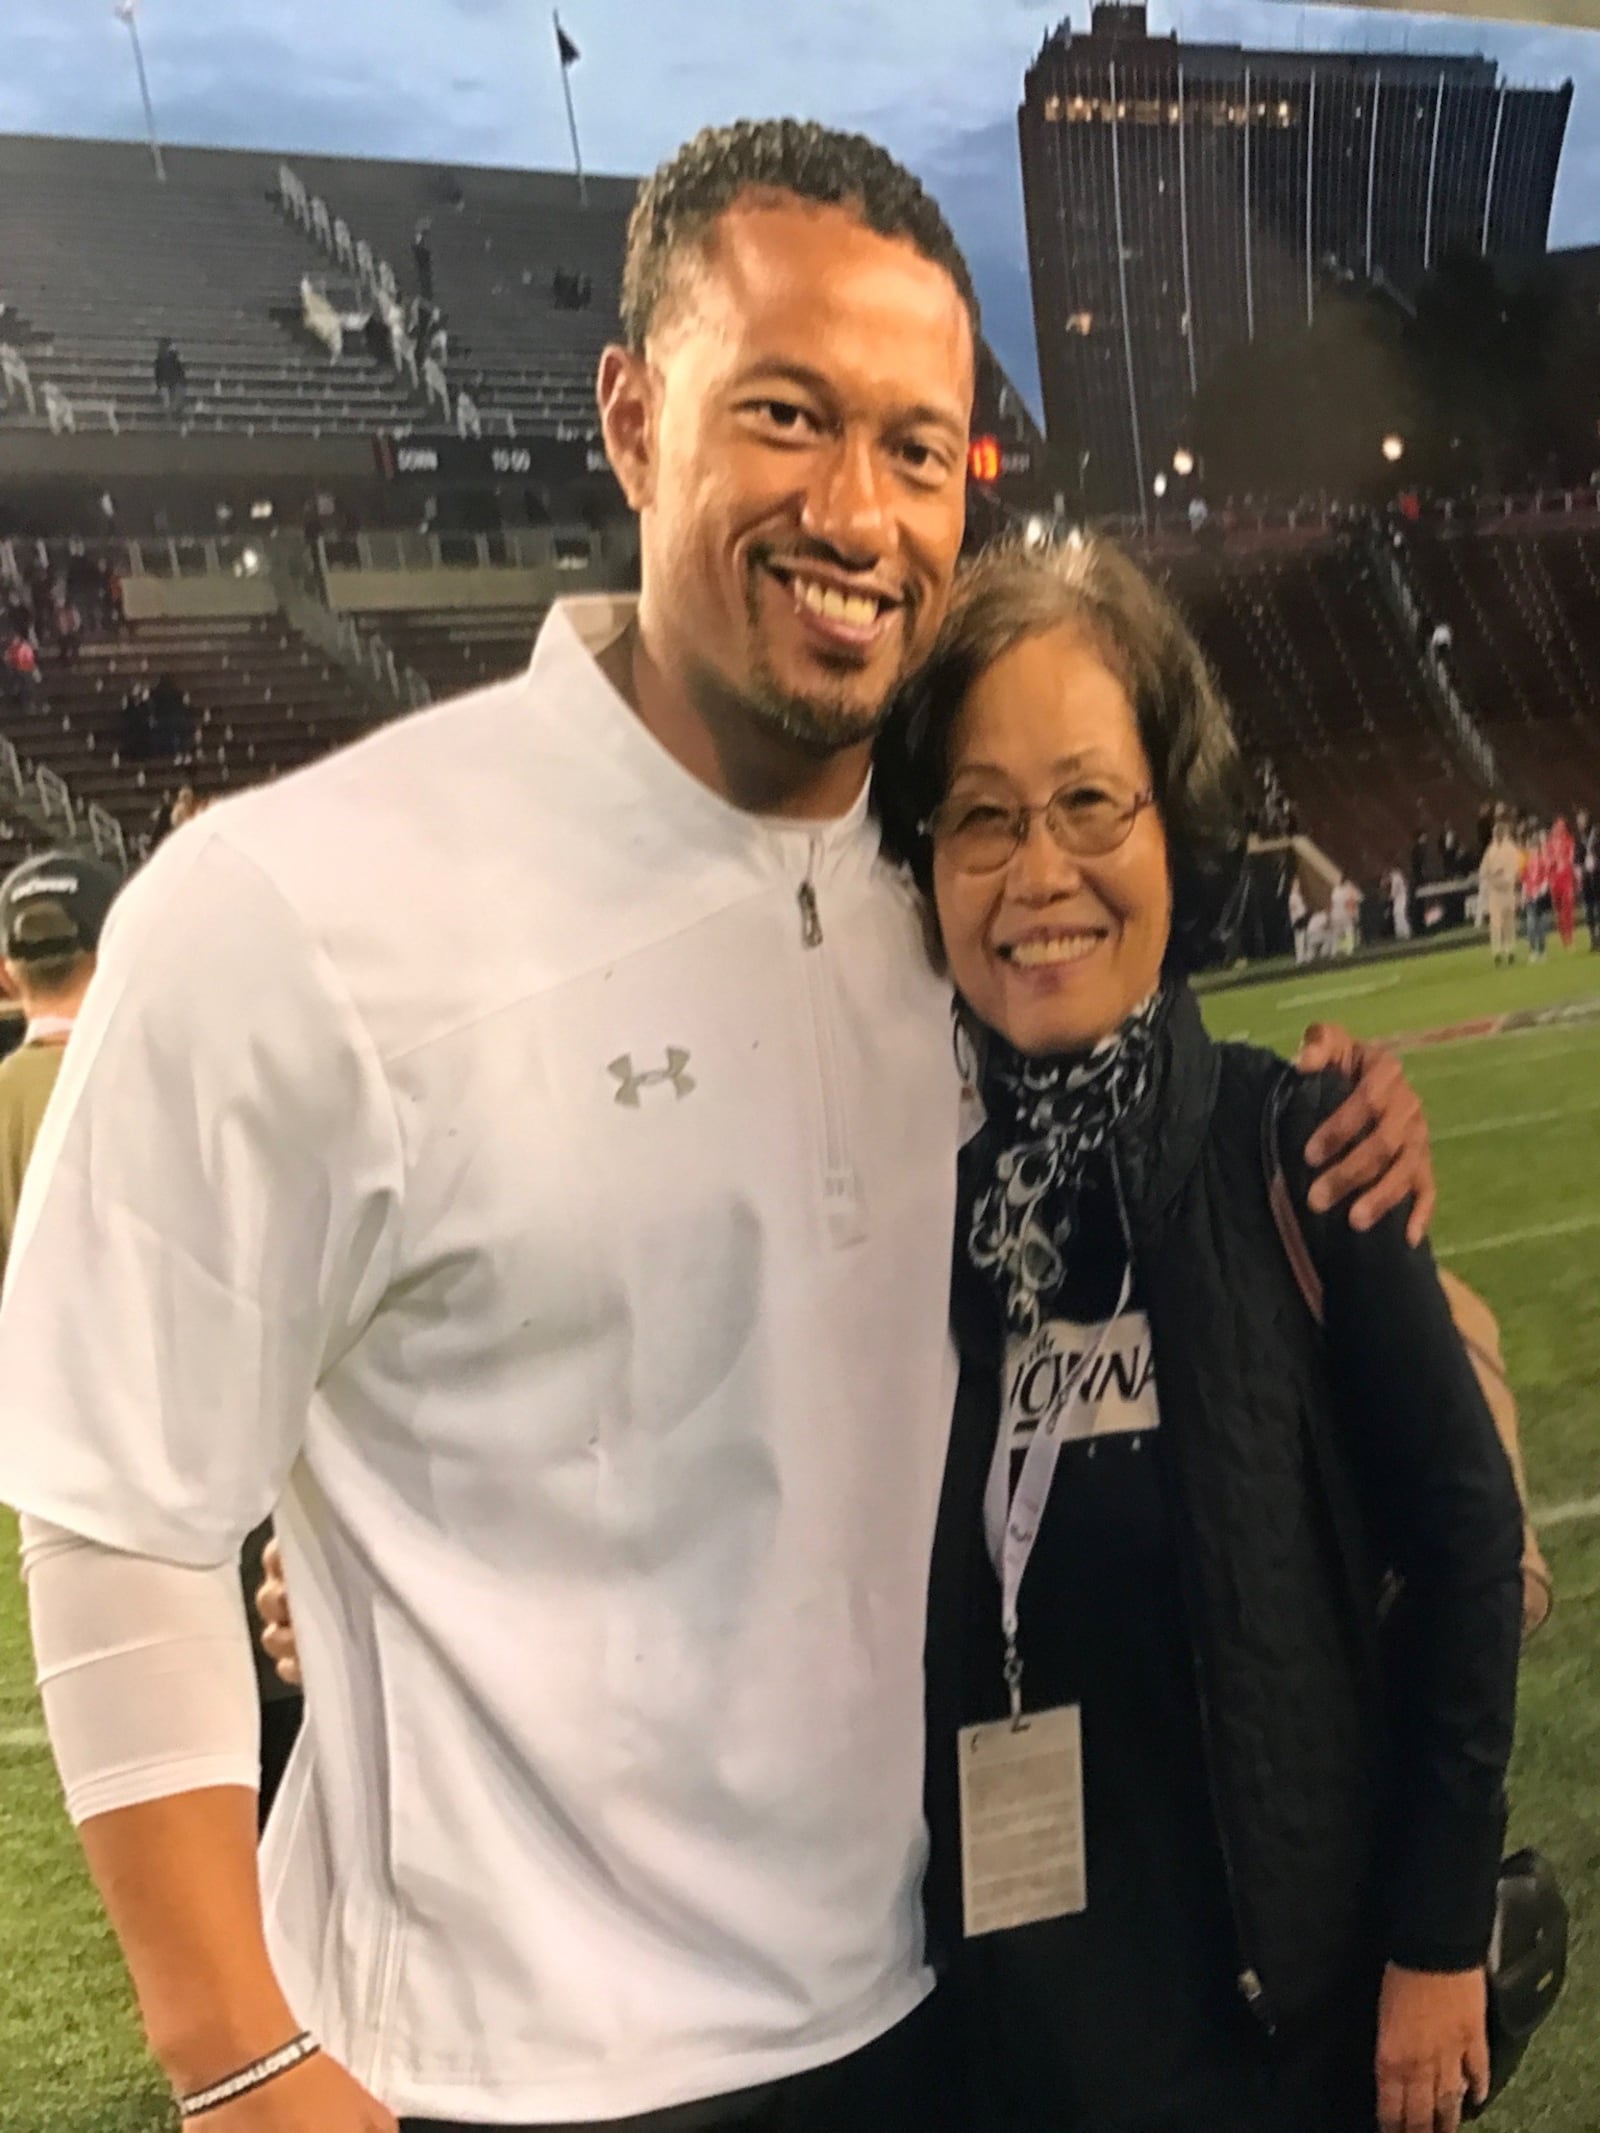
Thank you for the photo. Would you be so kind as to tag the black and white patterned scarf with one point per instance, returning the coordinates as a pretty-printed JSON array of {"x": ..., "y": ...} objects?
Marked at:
[{"x": 1048, "y": 1118}]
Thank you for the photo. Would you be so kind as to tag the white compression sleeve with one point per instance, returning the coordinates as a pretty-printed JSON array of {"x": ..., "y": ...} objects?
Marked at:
[{"x": 145, "y": 1670}]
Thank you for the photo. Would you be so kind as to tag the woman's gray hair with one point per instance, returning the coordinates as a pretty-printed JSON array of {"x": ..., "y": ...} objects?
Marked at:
[{"x": 1086, "y": 584}]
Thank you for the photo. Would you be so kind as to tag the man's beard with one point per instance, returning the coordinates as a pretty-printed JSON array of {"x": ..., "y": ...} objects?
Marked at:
[{"x": 818, "y": 722}]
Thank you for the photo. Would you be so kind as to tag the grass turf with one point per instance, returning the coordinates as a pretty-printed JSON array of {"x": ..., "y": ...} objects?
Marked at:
[{"x": 1514, "y": 1121}]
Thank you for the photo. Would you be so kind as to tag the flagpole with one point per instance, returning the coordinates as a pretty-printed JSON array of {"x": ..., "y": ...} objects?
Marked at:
[
  {"x": 126, "y": 11},
  {"x": 572, "y": 116}
]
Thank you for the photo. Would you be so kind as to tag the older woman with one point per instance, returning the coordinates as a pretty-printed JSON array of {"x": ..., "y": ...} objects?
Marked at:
[{"x": 1226, "y": 1853}]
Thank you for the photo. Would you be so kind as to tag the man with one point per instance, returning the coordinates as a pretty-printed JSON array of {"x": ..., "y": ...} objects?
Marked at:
[
  {"x": 1498, "y": 877},
  {"x": 52, "y": 910},
  {"x": 558, "y": 1220},
  {"x": 1344, "y": 915},
  {"x": 1589, "y": 873}
]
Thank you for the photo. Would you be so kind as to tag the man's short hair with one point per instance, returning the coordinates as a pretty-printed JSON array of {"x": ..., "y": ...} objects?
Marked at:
[
  {"x": 47, "y": 950},
  {"x": 677, "y": 207}
]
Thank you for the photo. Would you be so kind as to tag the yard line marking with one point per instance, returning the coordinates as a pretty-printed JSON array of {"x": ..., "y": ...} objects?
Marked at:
[
  {"x": 1573, "y": 1226},
  {"x": 24, "y": 1737},
  {"x": 1512, "y": 1119},
  {"x": 1331, "y": 996},
  {"x": 1508, "y": 1048},
  {"x": 1574, "y": 1513}
]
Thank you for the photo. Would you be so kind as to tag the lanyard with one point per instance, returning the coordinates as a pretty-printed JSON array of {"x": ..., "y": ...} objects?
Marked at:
[{"x": 1011, "y": 1521}]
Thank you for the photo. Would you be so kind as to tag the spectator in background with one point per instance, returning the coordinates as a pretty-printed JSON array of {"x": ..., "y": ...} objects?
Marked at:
[
  {"x": 20, "y": 679},
  {"x": 1486, "y": 822},
  {"x": 1560, "y": 855},
  {"x": 1536, "y": 895},
  {"x": 422, "y": 258},
  {"x": 1299, "y": 918},
  {"x": 51, "y": 912},
  {"x": 69, "y": 632},
  {"x": 135, "y": 738},
  {"x": 1451, "y": 860},
  {"x": 1419, "y": 857},
  {"x": 1589, "y": 873},
  {"x": 1399, "y": 891},
  {"x": 171, "y": 720},
  {"x": 1498, "y": 874},
  {"x": 172, "y": 380},
  {"x": 1344, "y": 912}
]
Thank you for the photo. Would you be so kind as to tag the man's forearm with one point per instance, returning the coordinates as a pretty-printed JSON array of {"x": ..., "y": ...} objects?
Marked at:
[
  {"x": 178, "y": 1878},
  {"x": 149, "y": 1693}
]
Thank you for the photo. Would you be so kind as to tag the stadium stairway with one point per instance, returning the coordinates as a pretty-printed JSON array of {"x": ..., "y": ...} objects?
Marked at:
[
  {"x": 1524, "y": 616},
  {"x": 497, "y": 239}
]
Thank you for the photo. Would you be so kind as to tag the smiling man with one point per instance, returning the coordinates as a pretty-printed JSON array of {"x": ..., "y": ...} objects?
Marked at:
[{"x": 525, "y": 1145}]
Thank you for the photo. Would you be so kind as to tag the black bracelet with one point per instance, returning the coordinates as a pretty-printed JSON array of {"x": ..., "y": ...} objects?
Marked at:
[{"x": 254, "y": 2076}]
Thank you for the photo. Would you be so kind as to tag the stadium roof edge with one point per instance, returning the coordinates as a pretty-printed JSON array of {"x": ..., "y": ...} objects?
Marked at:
[{"x": 324, "y": 158}]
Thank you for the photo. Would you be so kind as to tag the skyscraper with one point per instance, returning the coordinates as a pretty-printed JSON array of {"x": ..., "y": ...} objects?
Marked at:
[{"x": 1183, "y": 199}]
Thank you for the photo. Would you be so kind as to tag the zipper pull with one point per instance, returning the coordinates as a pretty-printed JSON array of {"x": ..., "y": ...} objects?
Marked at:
[{"x": 810, "y": 919}]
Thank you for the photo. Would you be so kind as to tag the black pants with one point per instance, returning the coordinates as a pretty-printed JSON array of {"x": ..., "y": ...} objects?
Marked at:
[
  {"x": 900, "y": 2084},
  {"x": 1591, "y": 907}
]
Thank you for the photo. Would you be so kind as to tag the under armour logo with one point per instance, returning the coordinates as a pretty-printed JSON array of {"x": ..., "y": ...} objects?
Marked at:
[{"x": 621, "y": 1070}]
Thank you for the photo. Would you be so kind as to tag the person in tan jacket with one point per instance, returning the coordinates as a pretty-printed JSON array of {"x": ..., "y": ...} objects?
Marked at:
[{"x": 1497, "y": 885}]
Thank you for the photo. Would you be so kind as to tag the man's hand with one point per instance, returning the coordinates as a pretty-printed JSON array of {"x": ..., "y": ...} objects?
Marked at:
[
  {"x": 277, "y": 1624},
  {"x": 1379, "y": 1134},
  {"x": 318, "y": 2097},
  {"x": 1433, "y": 2048}
]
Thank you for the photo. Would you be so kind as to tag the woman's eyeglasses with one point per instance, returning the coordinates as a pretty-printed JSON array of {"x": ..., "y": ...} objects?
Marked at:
[{"x": 1087, "y": 822}]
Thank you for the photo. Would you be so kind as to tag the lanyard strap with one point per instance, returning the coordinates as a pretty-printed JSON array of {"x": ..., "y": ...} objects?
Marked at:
[{"x": 1011, "y": 1520}]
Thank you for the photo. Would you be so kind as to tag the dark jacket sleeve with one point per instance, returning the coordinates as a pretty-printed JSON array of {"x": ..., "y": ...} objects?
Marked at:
[{"x": 1442, "y": 1508}]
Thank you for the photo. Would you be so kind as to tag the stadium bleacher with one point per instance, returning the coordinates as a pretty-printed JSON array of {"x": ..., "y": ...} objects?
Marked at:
[
  {"x": 100, "y": 260},
  {"x": 1321, "y": 681},
  {"x": 498, "y": 240},
  {"x": 264, "y": 702},
  {"x": 457, "y": 648},
  {"x": 1523, "y": 609}
]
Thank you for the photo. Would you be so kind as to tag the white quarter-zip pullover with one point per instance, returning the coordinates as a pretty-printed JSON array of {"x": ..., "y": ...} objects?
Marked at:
[{"x": 540, "y": 1174}]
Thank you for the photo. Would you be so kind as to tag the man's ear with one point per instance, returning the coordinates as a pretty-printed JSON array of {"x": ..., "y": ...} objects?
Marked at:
[{"x": 626, "y": 392}]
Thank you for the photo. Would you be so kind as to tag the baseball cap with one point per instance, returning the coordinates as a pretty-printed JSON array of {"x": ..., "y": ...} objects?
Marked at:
[{"x": 55, "y": 905}]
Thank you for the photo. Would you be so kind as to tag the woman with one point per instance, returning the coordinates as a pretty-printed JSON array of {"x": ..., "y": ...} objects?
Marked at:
[{"x": 1170, "y": 1501}]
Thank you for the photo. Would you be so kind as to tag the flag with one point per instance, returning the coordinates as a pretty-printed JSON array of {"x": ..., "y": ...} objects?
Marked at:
[{"x": 570, "y": 55}]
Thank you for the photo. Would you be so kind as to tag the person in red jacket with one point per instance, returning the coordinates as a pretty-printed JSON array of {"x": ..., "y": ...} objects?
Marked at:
[{"x": 1561, "y": 857}]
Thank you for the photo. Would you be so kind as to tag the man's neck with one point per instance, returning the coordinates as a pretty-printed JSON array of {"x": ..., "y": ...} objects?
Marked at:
[
  {"x": 744, "y": 762},
  {"x": 52, "y": 1013}
]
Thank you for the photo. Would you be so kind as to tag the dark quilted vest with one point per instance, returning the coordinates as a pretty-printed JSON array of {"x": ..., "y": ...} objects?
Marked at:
[{"x": 1282, "y": 1604}]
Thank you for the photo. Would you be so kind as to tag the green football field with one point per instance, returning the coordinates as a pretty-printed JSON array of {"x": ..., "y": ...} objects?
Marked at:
[{"x": 1515, "y": 1128}]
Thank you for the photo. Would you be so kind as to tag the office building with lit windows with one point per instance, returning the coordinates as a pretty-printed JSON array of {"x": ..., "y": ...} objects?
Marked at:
[{"x": 1184, "y": 199}]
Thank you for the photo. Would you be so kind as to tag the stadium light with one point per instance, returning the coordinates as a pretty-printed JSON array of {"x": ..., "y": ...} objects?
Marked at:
[
  {"x": 249, "y": 562},
  {"x": 1183, "y": 462},
  {"x": 1160, "y": 485},
  {"x": 262, "y": 507},
  {"x": 1394, "y": 448}
]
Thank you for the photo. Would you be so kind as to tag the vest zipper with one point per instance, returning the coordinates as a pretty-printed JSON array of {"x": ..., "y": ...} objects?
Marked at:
[
  {"x": 1247, "y": 1981},
  {"x": 841, "y": 1187}
]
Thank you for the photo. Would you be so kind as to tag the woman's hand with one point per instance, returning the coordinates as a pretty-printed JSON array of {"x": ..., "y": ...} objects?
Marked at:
[
  {"x": 317, "y": 2097},
  {"x": 277, "y": 1624},
  {"x": 1433, "y": 2048},
  {"x": 1380, "y": 1130}
]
